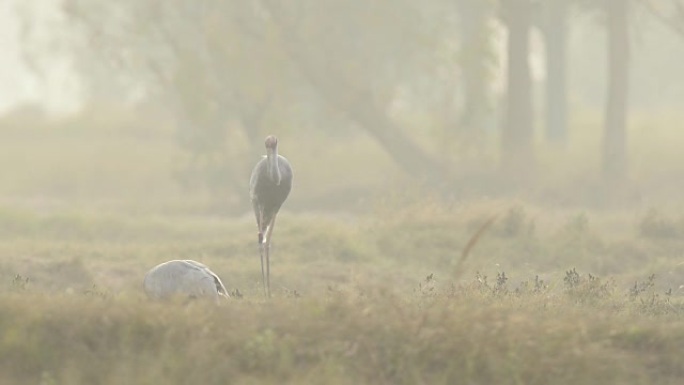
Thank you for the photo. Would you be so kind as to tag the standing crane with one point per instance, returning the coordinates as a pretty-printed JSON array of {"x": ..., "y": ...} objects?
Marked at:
[
  {"x": 183, "y": 278},
  {"x": 269, "y": 186}
]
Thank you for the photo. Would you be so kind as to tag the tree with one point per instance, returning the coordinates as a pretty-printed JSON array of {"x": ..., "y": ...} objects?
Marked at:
[
  {"x": 669, "y": 12},
  {"x": 614, "y": 149},
  {"x": 517, "y": 132},
  {"x": 322, "y": 38},
  {"x": 477, "y": 62},
  {"x": 231, "y": 70},
  {"x": 614, "y": 141},
  {"x": 220, "y": 61},
  {"x": 174, "y": 54},
  {"x": 555, "y": 27}
]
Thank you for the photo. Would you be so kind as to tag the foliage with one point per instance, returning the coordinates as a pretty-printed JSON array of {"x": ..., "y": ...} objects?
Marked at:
[
  {"x": 656, "y": 225},
  {"x": 229, "y": 72},
  {"x": 515, "y": 223}
]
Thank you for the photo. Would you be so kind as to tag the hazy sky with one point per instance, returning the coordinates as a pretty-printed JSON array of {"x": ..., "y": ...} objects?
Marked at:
[
  {"x": 655, "y": 61},
  {"x": 57, "y": 90}
]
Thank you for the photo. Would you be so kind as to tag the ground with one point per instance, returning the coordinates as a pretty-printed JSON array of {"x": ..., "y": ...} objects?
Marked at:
[
  {"x": 369, "y": 280},
  {"x": 543, "y": 297}
]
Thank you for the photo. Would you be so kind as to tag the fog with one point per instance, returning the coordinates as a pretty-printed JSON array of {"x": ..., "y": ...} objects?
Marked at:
[
  {"x": 149, "y": 104},
  {"x": 484, "y": 191}
]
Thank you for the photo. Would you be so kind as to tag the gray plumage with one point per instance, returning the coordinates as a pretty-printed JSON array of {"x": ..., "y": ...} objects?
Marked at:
[
  {"x": 183, "y": 278},
  {"x": 269, "y": 187}
]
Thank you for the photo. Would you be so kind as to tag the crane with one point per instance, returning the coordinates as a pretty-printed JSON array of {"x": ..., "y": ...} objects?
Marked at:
[
  {"x": 183, "y": 278},
  {"x": 269, "y": 186}
]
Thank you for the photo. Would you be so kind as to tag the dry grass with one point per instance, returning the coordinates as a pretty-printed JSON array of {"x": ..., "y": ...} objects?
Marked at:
[
  {"x": 548, "y": 294},
  {"x": 345, "y": 310},
  {"x": 365, "y": 335}
]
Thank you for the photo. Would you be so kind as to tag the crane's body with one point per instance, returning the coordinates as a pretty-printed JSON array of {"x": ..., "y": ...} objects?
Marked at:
[
  {"x": 269, "y": 187},
  {"x": 183, "y": 278},
  {"x": 268, "y": 196}
]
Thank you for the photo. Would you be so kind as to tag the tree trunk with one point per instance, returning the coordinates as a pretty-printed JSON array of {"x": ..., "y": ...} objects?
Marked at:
[
  {"x": 355, "y": 101},
  {"x": 614, "y": 141},
  {"x": 359, "y": 106},
  {"x": 556, "y": 90},
  {"x": 474, "y": 65},
  {"x": 517, "y": 157}
]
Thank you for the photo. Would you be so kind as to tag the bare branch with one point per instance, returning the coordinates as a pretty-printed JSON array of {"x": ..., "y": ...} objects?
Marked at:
[
  {"x": 474, "y": 239},
  {"x": 674, "y": 23}
]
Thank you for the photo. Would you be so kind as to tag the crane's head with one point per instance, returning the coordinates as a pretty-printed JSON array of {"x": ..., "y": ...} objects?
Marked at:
[{"x": 271, "y": 143}]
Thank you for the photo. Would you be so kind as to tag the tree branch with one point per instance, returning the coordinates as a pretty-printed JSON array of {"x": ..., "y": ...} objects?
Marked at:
[
  {"x": 675, "y": 24},
  {"x": 354, "y": 100}
]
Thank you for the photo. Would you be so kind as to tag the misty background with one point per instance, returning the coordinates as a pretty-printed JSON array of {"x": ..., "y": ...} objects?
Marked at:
[{"x": 163, "y": 106}]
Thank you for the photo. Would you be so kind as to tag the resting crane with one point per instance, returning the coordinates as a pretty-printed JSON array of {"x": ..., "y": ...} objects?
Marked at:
[{"x": 183, "y": 278}]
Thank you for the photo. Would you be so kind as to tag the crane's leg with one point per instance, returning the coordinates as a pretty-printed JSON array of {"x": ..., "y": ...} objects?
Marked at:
[
  {"x": 263, "y": 274},
  {"x": 260, "y": 238},
  {"x": 267, "y": 244},
  {"x": 268, "y": 271},
  {"x": 259, "y": 214},
  {"x": 269, "y": 230}
]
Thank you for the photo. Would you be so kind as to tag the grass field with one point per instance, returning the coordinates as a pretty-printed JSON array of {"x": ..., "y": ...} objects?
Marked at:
[
  {"x": 356, "y": 301},
  {"x": 372, "y": 294}
]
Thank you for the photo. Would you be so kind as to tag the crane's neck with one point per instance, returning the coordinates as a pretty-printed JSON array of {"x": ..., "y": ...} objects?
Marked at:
[{"x": 272, "y": 166}]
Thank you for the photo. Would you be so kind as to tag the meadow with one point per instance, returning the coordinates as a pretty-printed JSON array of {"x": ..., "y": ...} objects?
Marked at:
[{"x": 370, "y": 291}]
